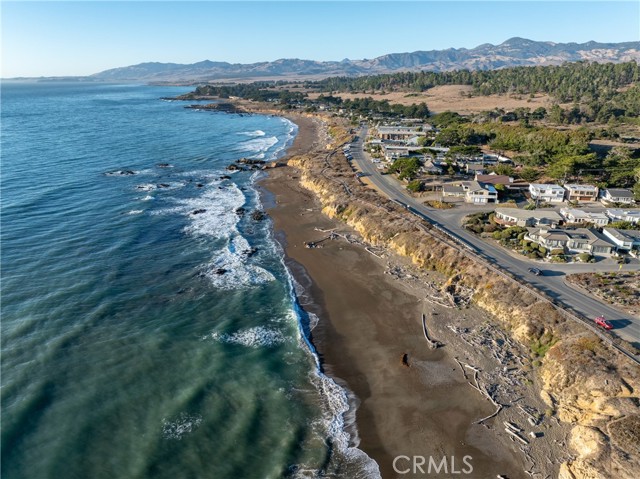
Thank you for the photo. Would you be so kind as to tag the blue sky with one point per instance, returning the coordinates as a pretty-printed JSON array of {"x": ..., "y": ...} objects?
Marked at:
[{"x": 79, "y": 38}]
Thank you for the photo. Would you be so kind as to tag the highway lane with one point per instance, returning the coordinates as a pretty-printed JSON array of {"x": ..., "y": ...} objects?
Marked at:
[{"x": 552, "y": 283}]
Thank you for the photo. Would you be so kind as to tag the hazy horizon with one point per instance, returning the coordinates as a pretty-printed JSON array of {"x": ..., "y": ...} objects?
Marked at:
[{"x": 83, "y": 38}]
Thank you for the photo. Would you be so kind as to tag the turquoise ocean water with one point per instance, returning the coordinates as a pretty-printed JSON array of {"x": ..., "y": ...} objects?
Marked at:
[{"x": 126, "y": 353}]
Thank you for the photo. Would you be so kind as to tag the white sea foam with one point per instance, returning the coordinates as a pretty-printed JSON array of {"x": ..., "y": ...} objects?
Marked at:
[
  {"x": 135, "y": 212},
  {"x": 259, "y": 145},
  {"x": 219, "y": 219},
  {"x": 338, "y": 420},
  {"x": 253, "y": 133},
  {"x": 183, "y": 424},
  {"x": 256, "y": 337},
  {"x": 231, "y": 270},
  {"x": 147, "y": 198}
]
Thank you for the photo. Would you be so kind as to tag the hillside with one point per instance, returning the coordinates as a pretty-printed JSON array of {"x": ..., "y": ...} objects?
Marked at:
[{"x": 513, "y": 52}]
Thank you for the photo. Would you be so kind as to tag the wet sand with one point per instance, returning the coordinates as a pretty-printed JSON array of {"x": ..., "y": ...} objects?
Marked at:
[{"x": 367, "y": 322}]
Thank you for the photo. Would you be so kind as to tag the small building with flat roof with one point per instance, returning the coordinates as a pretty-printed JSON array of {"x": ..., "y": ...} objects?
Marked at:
[{"x": 517, "y": 217}]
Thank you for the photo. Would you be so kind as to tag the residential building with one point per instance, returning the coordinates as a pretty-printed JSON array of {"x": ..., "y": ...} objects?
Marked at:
[
  {"x": 474, "y": 169},
  {"x": 479, "y": 193},
  {"x": 573, "y": 215},
  {"x": 581, "y": 193},
  {"x": 451, "y": 190},
  {"x": 494, "y": 179},
  {"x": 617, "y": 195},
  {"x": 516, "y": 217},
  {"x": 579, "y": 240},
  {"x": 546, "y": 193},
  {"x": 400, "y": 132},
  {"x": 625, "y": 240},
  {"x": 632, "y": 216},
  {"x": 430, "y": 168}
]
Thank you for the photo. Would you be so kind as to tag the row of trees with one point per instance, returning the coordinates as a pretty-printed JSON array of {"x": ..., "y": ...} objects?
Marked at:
[{"x": 568, "y": 82}]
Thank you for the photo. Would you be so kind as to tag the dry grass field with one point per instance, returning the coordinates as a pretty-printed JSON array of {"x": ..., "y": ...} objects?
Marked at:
[{"x": 456, "y": 98}]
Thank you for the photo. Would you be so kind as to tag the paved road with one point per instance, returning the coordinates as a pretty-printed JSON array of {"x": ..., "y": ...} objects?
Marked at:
[{"x": 552, "y": 282}]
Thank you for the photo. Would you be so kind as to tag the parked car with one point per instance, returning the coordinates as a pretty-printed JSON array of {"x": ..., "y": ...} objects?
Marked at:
[
  {"x": 600, "y": 321},
  {"x": 535, "y": 271}
]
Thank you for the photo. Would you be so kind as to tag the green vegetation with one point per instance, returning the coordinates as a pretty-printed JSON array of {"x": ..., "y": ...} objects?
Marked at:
[
  {"x": 540, "y": 346},
  {"x": 586, "y": 258},
  {"x": 406, "y": 167},
  {"x": 415, "y": 186}
]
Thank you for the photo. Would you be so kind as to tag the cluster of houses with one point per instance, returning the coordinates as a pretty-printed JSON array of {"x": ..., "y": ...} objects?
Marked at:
[
  {"x": 405, "y": 139},
  {"x": 579, "y": 194},
  {"x": 543, "y": 228}
]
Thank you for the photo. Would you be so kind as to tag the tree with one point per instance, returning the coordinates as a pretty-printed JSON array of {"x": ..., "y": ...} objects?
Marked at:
[
  {"x": 621, "y": 167},
  {"x": 529, "y": 174}
]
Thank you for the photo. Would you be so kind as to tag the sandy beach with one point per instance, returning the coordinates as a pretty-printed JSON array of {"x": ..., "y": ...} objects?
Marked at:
[{"x": 369, "y": 321}]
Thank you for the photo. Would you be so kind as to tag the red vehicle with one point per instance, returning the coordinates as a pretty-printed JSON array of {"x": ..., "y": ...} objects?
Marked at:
[{"x": 600, "y": 321}]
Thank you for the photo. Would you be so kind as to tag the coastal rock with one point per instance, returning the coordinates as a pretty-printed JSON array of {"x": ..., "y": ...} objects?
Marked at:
[
  {"x": 241, "y": 211},
  {"x": 249, "y": 161},
  {"x": 163, "y": 185},
  {"x": 164, "y": 165},
  {"x": 258, "y": 215},
  {"x": 225, "y": 177},
  {"x": 121, "y": 173},
  {"x": 198, "y": 211},
  {"x": 234, "y": 167},
  {"x": 219, "y": 271},
  {"x": 199, "y": 185}
]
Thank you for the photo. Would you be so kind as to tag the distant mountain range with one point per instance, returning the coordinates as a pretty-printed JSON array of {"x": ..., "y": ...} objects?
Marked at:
[{"x": 513, "y": 52}]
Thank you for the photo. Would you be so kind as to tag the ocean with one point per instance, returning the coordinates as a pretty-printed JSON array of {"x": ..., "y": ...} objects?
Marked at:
[{"x": 150, "y": 328}]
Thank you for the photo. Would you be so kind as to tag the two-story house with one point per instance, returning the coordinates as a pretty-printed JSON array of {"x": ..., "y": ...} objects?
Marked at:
[
  {"x": 479, "y": 193},
  {"x": 581, "y": 193},
  {"x": 546, "y": 193}
]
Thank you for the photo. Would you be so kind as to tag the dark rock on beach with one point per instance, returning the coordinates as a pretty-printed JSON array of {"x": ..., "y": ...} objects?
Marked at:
[
  {"x": 234, "y": 167},
  {"x": 258, "y": 215}
]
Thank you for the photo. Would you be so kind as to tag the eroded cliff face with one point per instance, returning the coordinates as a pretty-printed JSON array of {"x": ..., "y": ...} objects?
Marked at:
[{"x": 582, "y": 380}]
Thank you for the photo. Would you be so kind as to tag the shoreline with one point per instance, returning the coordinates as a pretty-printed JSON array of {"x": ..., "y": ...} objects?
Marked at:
[{"x": 426, "y": 409}]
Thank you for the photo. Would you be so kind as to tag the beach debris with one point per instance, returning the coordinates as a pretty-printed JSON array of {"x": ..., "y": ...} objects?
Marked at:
[
  {"x": 405, "y": 360},
  {"x": 515, "y": 435},
  {"x": 432, "y": 343},
  {"x": 513, "y": 426}
]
